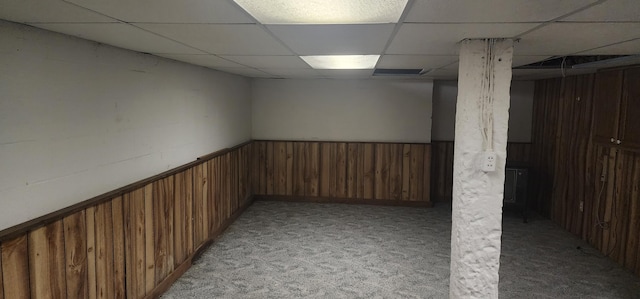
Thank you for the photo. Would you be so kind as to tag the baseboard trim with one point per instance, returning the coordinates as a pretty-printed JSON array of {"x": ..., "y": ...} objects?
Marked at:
[
  {"x": 163, "y": 286},
  {"x": 355, "y": 201}
]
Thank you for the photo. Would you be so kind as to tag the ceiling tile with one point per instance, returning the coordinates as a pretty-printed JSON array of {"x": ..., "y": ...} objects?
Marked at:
[
  {"x": 236, "y": 39},
  {"x": 624, "y": 48},
  {"x": 288, "y": 62},
  {"x": 346, "y": 73},
  {"x": 442, "y": 74},
  {"x": 517, "y": 61},
  {"x": 452, "y": 66},
  {"x": 442, "y": 39},
  {"x": 570, "y": 38},
  {"x": 120, "y": 35},
  {"x": 293, "y": 73},
  {"x": 415, "y": 61},
  {"x": 491, "y": 11},
  {"x": 334, "y": 39},
  {"x": 609, "y": 11},
  {"x": 49, "y": 11},
  {"x": 169, "y": 11},
  {"x": 246, "y": 71},
  {"x": 211, "y": 61}
]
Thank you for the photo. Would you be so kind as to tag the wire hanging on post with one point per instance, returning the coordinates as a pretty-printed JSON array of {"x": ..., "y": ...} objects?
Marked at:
[{"x": 486, "y": 96}]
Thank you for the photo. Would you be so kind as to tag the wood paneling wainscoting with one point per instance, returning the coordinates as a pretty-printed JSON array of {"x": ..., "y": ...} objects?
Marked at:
[
  {"x": 518, "y": 153},
  {"x": 589, "y": 189},
  {"x": 133, "y": 242},
  {"x": 348, "y": 172}
]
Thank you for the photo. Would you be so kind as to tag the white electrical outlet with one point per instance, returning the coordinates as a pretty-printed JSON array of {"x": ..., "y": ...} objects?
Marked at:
[
  {"x": 582, "y": 206},
  {"x": 488, "y": 162}
]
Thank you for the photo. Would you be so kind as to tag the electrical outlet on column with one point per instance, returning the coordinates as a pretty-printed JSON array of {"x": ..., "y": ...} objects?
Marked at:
[{"x": 488, "y": 161}]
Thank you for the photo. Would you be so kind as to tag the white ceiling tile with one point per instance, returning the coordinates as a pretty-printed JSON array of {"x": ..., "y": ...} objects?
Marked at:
[
  {"x": 442, "y": 74},
  {"x": 120, "y": 35},
  {"x": 442, "y": 39},
  {"x": 346, "y": 73},
  {"x": 570, "y": 38},
  {"x": 287, "y": 62},
  {"x": 452, "y": 66},
  {"x": 517, "y": 61},
  {"x": 609, "y": 11},
  {"x": 491, "y": 11},
  {"x": 37, "y": 11},
  {"x": 236, "y": 39},
  {"x": 211, "y": 61},
  {"x": 415, "y": 61},
  {"x": 292, "y": 73},
  {"x": 169, "y": 11},
  {"x": 624, "y": 48},
  {"x": 246, "y": 71},
  {"x": 334, "y": 39}
]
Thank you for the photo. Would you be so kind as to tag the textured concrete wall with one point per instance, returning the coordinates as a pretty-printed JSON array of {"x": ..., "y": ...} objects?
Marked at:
[{"x": 483, "y": 103}]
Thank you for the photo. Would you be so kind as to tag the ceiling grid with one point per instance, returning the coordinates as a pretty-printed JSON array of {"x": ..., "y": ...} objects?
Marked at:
[{"x": 419, "y": 34}]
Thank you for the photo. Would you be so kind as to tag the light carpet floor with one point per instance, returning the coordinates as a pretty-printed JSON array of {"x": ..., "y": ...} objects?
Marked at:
[{"x": 313, "y": 250}]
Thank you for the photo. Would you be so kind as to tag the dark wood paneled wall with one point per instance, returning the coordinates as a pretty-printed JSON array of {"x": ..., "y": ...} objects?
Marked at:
[
  {"x": 571, "y": 172},
  {"x": 135, "y": 241},
  {"x": 442, "y": 165},
  {"x": 397, "y": 172},
  {"x": 131, "y": 245}
]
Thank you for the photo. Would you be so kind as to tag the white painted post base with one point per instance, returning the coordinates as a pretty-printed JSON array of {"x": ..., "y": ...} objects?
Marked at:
[{"x": 481, "y": 126}]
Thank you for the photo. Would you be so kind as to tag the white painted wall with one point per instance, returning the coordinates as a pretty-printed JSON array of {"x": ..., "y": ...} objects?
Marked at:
[
  {"x": 78, "y": 119},
  {"x": 520, "y": 113},
  {"x": 342, "y": 110}
]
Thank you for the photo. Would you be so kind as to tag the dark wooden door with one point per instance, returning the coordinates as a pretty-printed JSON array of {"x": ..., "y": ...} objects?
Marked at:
[
  {"x": 629, "y": 131},
  {"x": 606, "y": 106}
]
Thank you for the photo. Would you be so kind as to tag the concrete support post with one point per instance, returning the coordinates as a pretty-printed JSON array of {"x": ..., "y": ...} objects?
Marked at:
[{"x": 479, "y": 166}]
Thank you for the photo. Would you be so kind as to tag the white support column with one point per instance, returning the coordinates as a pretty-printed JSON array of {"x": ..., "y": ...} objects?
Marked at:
[{"x": 482, "y": 117}]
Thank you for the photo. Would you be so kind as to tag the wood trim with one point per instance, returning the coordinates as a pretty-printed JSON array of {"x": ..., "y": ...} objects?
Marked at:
[
  {"x": 14, "y": 231},
  {"x": 355, "y": 201},
  {"x": 166, "y": 283},
  {"x": 340, "y": 141},
  {"x": 509, "y": 142}
]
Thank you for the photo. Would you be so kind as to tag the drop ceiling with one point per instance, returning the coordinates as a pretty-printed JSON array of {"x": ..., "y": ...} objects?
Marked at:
[{"x": 219, "y": 34}]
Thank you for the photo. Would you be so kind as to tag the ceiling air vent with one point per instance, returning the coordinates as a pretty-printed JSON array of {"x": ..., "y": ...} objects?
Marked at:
[{"x": 397, "y": 72}]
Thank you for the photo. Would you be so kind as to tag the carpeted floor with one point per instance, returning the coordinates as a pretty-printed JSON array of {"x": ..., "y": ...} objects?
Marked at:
[{"x": 312, "y": 250}]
